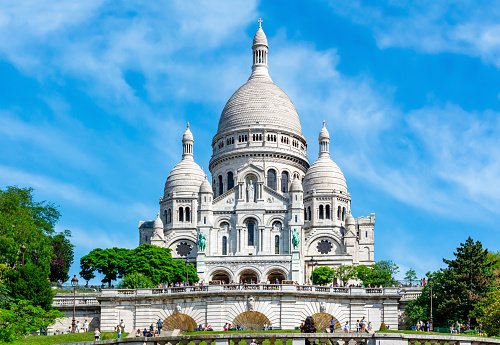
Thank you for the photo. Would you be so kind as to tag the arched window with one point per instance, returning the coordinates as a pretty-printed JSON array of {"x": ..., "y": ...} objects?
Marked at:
[
  {"x": 204, "y": 220},
  {"x": 321, "y": 216},
  {"x": 284, "y": 182},
  {"x": 181, "y": 214},
  {"x": 343, "y": 213},
  {"x": 169, "y": 216},
  {"x": 188, "y": 215},
  {"x": 230, "y": 180},
  {"x": 309, "y": 211},
  {"x": 251, "y": 233},
  {"x": 305, "y": 214},
  {"x": 224, "y": 245},
  {"x": 221, "y": 186},
  {"x": 339, "y": 211},
  {"x": 271, "y": 179},
  {"x": 295, "y": 219},
  {"x": 327, "y": 211},
  {"x": 276, "y": 244}
]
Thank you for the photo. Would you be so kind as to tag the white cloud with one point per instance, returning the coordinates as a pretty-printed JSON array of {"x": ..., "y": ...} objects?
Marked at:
[{"x": 462, "y": 27}]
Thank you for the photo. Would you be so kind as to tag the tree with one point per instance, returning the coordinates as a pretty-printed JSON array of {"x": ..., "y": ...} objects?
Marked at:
[
  {"x": 63, "y": 256},
  {"x": 24, "y": 318},
  {"x": 344, "y": 273},
  {"x": 322, "y": 275},
  {"x": 411, "y": 275},
  {"x": 135, "y": 281},
  {"x": 87, "y": 268},
  {"x": 109, "y": 262},
  {"x": 487, "y": 312},
  {"x": 380, "y": 273}
]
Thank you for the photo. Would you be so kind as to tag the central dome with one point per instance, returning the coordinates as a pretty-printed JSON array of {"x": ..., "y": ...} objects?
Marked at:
[{"x": 259, "y": 101}]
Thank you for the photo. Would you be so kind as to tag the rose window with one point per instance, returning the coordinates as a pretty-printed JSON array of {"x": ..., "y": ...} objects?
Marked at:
[
  {"x": 183, "y": 249},
  {"x": 324, "y": 247}
]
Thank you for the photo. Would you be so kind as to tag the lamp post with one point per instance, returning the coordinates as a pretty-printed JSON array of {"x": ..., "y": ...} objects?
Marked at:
[
  {"x": 74, "y": 282},
  {"x": 23, "y": 250},
  {"x": 187, "y": 273},
  {"x": 431, "y": 321}
]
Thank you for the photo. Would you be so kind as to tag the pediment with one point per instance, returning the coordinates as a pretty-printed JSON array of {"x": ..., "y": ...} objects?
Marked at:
[{"x": 250, "y": 168}]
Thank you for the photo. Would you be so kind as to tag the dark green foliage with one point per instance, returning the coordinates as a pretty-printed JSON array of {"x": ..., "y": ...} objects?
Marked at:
[
  {"x": 153, "y": 262},
  {"x": 457, "y": 288},
  {"x": 411, "y": 276},
  {"x": 380, "y": 273},
  {"x": 322, "y": 275},
  {"x": 382, "y": 327},
  {"x": 135, "y": 280},
  {"x": 63, "y": 256},
  {"x": 5, "y": 298},
  {"x": 344, "y": 273}
]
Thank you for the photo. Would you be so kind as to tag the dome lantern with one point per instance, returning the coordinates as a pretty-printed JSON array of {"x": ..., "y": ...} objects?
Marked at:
[
  {"x": 260, "y": 48},
  {"x": 324, "y": 141},
  {"x": 187, "y": 143}
]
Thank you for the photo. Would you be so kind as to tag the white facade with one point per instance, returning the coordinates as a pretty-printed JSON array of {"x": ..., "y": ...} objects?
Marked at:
[{"x": 262, "y": 189}]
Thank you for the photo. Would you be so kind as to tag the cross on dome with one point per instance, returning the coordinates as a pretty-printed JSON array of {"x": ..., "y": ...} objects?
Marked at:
[{"x": 260, "y": 21}]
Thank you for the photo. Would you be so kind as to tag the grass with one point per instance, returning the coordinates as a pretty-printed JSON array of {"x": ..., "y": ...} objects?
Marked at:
[
  {"x": 64, "y": 338},
  {"x": 242, "y": 332},
  {"x": 430, "y": 333}
]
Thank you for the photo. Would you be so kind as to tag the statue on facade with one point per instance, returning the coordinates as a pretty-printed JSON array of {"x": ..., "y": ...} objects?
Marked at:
[
  {"x": 177, "y": 309},
  {"x": 251, "y": 303},
  {"x": 251, "y": 192},
  {"x": 202, "y": 240},
  {"x": 295, "y": 239},
  {"x": 322, "y": 307}
]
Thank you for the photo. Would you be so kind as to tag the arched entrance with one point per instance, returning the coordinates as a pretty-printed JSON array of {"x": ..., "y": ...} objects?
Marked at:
[
  {"x": 322, "y": 322},
  {"x": 222, "y": 276},
  {"x": 251, "y": 320},
  {"x": 272, "y": 275},
  {"x": 249, "y": 276},
  {"x": 178, "y": 321}
]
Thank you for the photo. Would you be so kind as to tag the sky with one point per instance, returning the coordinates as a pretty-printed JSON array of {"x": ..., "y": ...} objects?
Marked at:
[{"x": 95, "y": 96}]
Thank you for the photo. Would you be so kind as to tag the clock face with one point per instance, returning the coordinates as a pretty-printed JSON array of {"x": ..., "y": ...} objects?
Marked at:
[
  {"x": 183, "y": 249},
  {"x": 324, "y": 247}
]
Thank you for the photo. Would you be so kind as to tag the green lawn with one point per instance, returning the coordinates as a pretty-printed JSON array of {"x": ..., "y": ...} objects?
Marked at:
[
  {"x": 64, "y": 338},
  {"x": 430, "y": 333},
  {"x": 242, "y": 332}
]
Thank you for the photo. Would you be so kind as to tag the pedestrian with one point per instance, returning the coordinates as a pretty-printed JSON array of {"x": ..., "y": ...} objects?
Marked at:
[
  {"x": 138, "y": 333},
  {"x": 159, "y": 324},
  {"x": 77, "y": 327},
  {"x": 97, "y": 334},
  {"x": 86, "y": 326},
  {"x": 122, "y": 324},
  {"x": 332, "y": 325},
  {"x": 119, "y": 331},
  {"x": 346, "y": 327}
]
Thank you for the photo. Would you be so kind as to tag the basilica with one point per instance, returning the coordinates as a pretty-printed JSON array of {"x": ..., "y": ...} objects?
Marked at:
[{"x": 265, "y": 213}]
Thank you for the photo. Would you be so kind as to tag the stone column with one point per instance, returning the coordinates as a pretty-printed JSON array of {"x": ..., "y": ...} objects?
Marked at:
[{"x": 200, "y": 267}]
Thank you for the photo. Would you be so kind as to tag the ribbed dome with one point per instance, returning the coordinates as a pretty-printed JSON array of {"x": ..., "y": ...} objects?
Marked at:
[
  {"x": 260, "y": 101},
  {"x": 260, "y": 38},
  {"x": 324, "y": 175},
  {"x": 323, "y": 134},
  {"x": 187, "y": 134},
  {"x": 158, "y": 224},
  {"x": 185, "y": 179},
  {"x": 296, "y": 186},
  {"x": 205, "y": 186}
]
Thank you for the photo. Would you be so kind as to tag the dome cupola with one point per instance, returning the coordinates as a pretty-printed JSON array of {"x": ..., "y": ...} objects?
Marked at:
[{"x": 205, "y": 187}]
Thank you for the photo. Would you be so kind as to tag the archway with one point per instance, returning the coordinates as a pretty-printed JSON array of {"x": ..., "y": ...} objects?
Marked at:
[
  {"x": 222, "y": 276},
  {"x": 276, "y": 274},
  {"x": 249, "y": 276},
  {"x": 251, "y": 320},
  {"x": 178, "y": 321},
  {"x": 322, "y": 322}
]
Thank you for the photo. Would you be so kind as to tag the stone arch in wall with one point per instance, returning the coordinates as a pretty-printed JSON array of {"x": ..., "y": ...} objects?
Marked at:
[
  {"x": 178, "y": 321},
  {"x": 251, "y": 320},
  {"x": 322, "y": 322},
  {"x": 221, "y": 274},
  {"x": 276, "y": 273},
  {"x": 249, "y": 275}
]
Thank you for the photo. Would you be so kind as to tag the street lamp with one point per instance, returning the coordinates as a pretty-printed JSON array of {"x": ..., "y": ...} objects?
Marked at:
[
  {"x": 431, "y": 321},
  {"x": 74, "y": 282},
  {"x": 23, "y": 250},
  {"x": 187, "y": 273}
]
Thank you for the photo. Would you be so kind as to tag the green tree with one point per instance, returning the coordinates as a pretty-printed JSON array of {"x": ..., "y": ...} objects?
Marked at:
[
  {"x": 381, "y": 273},
  {"x": 344, "y": 273},
  {"x": 487, "y": 312},
  {"x": 87, "y": 268},
  {"x": 322, "y": 275},
  {"x": 24, "y": 318},
  {"x": 411, "y": 276},
  {"x": 63, "y": 256},
  {"x": 135, "y": 280},
  {"x": 109, "y": 262}
]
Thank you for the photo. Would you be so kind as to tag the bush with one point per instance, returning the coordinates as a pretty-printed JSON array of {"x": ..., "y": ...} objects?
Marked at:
[
  {"x": 382, "y": 327},
  {"x": 136, "y": 280},
  {"x": 190, "y": 328}
]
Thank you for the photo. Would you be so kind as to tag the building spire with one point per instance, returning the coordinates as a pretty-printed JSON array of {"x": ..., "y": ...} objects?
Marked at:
[
  {"x": 324, "y": 141},
  {"x": 259, "y": 49},
  {"x": 187, "y": 143}
]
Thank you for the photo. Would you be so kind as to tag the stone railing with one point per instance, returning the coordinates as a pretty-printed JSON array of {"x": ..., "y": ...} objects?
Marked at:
[
  {"x": 300, "y": 339},
  {"x": 81, "y": 299}
]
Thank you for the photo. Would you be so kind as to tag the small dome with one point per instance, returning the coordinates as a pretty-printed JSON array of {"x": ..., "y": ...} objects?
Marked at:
[
  {"x": 158, "y": 224},
  {"x": 323, "y": 134},
  {"x": 187, "y": 134},
  {"x": 205, "y": 186},
  {"x": 349, "y": 220},
  {"x": 296, "y": 186},
  {"x": 260, "y": 38},
  {"x": 184, "y": 179},
  {"x": 324, "y": 175}
]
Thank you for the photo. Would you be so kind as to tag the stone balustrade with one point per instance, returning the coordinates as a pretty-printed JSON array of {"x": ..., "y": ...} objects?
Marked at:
[
  {"x": 300, "y": 339},
  {"x": 63, "y": 300}
]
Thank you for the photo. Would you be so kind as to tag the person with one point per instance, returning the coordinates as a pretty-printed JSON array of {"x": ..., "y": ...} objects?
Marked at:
[
  {"x": 119, "y": 331},
  {"x": 265, "y": 326},
  {"x": 77, "y": 327},
  {"x": 145, "y": 332},
  {"x": 369, "y": 326},
  {"x": 151, "y": 328},
  {"x": 363, "y": 324},
  {"x": 357, "y": 326},
  {"x": 301, "y": 327},
  {"x": 346, "y": 327},
  {"x": 270, "y": 326},
  {"x": 69, "y": 329},
  {"x": 253, "y": 342},
  {"x": 138, "y": 333},
  {"x": 277, "y": 281},
  {"x": 159, "y": 325},
  {"x": 122, "y": 324},
  {"x": 225, "y": 326},
  {"x": 309, "y": 327},
  {"x": 86, "y": 326},
  {"x": 332, "y": 325},
  {"x": 97, "y": 334}
]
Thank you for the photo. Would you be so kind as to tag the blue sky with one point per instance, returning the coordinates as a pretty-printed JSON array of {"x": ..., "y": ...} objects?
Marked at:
[{"x": 94, "y": 97}]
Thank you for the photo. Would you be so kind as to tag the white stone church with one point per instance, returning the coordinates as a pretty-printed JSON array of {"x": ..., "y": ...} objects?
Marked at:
[{"x": 263, "y": 189}]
